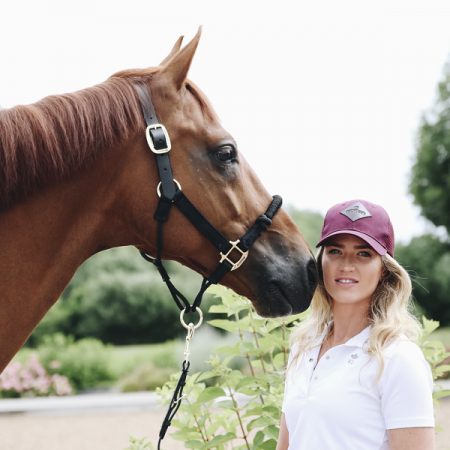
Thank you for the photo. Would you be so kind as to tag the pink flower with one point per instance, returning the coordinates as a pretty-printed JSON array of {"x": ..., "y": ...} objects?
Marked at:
[
  {"x": 55, "y": 364},
  {"x": 33, "y": 379}
]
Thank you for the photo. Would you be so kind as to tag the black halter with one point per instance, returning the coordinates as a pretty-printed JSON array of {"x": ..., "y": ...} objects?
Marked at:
[{"x": 159, "y": 142}]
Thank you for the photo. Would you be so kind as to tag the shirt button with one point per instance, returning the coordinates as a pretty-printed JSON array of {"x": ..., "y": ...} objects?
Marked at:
[
  {"x": 315, "y": 377},
  {"x": 311, "y": 359},
  {"x": 328, "y": 357}
]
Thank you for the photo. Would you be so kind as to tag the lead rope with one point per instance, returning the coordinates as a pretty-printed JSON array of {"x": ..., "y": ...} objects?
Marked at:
[{"x": 178, "y": 395}]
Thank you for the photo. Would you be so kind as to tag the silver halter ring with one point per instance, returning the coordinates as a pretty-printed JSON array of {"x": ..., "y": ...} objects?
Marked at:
[
  {"x": 158, "y": 189},
  {"x": 191, "y": 325}
]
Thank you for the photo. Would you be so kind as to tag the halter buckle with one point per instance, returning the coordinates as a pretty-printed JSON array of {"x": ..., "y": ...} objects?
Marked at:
[
  {"x": 150, "y": 142},
  {"x": 234, "y": 265}
]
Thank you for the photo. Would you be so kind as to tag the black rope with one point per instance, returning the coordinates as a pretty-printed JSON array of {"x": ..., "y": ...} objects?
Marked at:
[{"x": 174, "y": 403}]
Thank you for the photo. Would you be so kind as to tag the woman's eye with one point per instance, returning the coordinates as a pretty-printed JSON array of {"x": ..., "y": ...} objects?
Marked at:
[
  {"x": 224, "y": 154},
  {"x": 365, "y": 254},
  {"x": 334, "y": 251}
]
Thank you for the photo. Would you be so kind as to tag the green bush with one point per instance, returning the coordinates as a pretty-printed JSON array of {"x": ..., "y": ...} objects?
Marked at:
[
  {"x": 145, "y": 378},
  {"x": 210, "y": 417},
  {"x": 119, "y": 298},
  {"x": 262, "y": 346},
  {"x": 85, "y": 362}
]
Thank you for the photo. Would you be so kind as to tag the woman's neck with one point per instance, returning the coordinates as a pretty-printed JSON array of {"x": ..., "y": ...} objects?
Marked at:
[{"x": 349, "y": 321}]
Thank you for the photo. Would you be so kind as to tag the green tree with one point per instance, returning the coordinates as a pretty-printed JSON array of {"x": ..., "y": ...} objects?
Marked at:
[
  {"x": 309, "y": 223},
  {"x": 430, "y": 176},
  {"x": 427, "y": 260}
]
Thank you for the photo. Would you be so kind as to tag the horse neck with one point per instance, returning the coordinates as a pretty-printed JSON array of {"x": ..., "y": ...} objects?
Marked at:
[{"x": 45, "y": 239}]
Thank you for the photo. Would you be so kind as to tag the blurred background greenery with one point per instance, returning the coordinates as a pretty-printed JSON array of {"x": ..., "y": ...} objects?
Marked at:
[{"x": 117, "y": 319}]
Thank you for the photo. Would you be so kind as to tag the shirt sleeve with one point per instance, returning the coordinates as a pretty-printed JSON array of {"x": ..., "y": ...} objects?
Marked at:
[
  {"x": 406, "y": 388},
  {"x": 288, "y": 374}
]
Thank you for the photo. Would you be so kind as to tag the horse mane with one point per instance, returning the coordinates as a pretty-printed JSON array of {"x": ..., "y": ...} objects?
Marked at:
[{"x": 51, "y": 140}]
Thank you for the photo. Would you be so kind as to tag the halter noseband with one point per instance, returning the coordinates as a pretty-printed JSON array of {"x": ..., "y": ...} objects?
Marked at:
[{"x": 159, "y": 142}]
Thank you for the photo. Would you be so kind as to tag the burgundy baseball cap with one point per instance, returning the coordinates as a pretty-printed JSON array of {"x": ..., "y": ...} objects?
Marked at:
[{"x": 361, "y": 218}]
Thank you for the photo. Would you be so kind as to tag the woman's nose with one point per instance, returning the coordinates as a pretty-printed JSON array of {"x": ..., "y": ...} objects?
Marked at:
[{"x": 346, "y": 265}]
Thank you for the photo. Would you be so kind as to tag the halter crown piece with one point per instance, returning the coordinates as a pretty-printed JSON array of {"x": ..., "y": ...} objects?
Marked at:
[{"x": 159, "y": 143}]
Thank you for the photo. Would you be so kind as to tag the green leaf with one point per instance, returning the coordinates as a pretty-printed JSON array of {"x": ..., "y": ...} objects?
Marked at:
[
  {"x": 227, "y": 360},
  {"x": 210, "y": 394},
  {"x": 256, "y": 363},
  {"x": 442, "y": 369},
  {"x": 434, "y": 344},
  {"x": 271, "y": 409},
  {"x": 259, "y": 438},
  {"x": 193, "y": 444},
  {"x": 271, "y": 444},
  {"x": 278, "y": 360},
  {"x": 218, "y": 440},
  {"x": 441, "y": 394},
  {"x": 261, "y": 422},
  {"x": 217, "y": 290},
  {"x": 228, "y": 350},
  {"x": 228, "y": 325},
  {"x": 218, "y": 309},
  {"x": 213, "y": 428},
  {"x": 272, "y": 431},
  {"x": 247, "y": 381},
  {"x": 257, "y": 411},
  {"x": 226, "y": 404},
  {"x": 429, "y": 326},
  {"x": 207, "y": 375}
]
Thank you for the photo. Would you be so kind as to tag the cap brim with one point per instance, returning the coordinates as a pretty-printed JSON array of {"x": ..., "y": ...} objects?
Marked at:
[{"x": 370, "y": 240}]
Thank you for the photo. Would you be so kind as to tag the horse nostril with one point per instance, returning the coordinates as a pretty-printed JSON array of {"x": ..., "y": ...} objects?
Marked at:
[{"x": 313, "y": 274}]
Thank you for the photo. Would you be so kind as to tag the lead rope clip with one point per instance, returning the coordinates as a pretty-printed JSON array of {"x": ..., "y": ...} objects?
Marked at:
[{"x": 178, "y": 395}]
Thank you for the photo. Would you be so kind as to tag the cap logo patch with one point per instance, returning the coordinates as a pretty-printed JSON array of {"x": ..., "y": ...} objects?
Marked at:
[{"x": 356, "y": 211}]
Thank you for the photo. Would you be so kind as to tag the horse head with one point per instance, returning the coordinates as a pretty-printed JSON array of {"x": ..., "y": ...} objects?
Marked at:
[
  {"x": 77, "y": 177},
  {"x": 279, "y": 276}
]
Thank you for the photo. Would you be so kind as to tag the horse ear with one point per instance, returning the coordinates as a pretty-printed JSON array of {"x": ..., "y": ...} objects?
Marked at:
[
  {"x": 177, "y": 67},
  {"x": 173, "y": 52}
]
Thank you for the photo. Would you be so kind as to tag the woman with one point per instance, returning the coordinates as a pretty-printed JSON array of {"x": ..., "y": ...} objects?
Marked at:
[{"x": 355, "y": 379}]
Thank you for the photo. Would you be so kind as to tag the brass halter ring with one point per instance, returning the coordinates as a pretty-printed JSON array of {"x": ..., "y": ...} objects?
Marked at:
[
  {"x": 191, "y": 325},
  {"x": 158, "y": 189}
]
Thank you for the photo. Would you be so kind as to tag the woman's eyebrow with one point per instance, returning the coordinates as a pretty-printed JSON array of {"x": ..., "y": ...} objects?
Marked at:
[
  {"x": 357, "y": 247},
  {"x": 333, "y": 244}
]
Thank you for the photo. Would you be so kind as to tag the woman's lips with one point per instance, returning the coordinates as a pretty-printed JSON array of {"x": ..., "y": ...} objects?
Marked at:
[{"x": 346, "y": 282}]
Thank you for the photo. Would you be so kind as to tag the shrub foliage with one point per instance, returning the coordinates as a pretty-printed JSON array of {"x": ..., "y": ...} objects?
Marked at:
[{"x": 243, "y": 409}]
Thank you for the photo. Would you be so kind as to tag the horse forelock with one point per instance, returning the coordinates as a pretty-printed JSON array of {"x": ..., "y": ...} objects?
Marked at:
[{"x": 51, "y": 140}]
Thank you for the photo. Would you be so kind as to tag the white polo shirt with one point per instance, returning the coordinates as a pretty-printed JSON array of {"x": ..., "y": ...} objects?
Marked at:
[{"x": 333, "y": 407}]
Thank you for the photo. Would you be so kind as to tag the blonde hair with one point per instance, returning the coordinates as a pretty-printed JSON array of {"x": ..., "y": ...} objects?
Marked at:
[{"x": 390, "y": 314}]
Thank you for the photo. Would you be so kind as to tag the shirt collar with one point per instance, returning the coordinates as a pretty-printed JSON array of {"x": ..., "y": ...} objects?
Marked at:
[{"x": 355, "y": 341}]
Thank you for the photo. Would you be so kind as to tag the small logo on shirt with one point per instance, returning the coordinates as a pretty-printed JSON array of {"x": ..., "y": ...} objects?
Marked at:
[{"x": 354, "y": 356}]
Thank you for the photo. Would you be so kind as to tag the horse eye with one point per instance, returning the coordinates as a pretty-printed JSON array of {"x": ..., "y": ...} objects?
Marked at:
[{"x": 224, "y": 154}]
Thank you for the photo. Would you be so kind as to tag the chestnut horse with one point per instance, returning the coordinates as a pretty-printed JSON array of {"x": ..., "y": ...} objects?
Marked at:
[{"x": 77, "y": 177}]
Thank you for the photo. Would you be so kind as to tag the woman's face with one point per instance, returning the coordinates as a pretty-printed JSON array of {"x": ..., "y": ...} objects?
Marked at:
[{"x": 352, "y": 269}]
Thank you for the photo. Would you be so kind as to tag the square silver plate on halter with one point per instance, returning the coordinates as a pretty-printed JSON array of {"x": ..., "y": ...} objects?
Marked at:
[{"x": 150, "y": 140}]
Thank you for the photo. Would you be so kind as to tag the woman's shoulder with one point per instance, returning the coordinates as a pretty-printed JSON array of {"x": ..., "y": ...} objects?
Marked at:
[{"x": 401, "y": 352}]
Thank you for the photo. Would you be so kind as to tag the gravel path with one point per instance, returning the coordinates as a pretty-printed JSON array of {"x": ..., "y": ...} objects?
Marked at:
[{"x": 111, "y": 431}]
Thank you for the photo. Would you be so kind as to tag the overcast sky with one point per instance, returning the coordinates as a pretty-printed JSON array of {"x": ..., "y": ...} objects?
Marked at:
[{"x": 324, "y": 98}]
